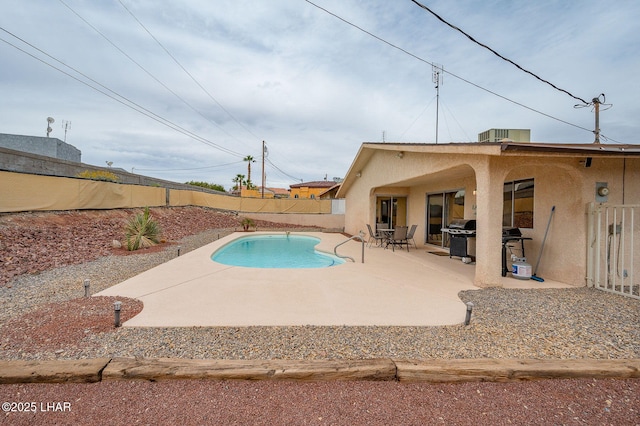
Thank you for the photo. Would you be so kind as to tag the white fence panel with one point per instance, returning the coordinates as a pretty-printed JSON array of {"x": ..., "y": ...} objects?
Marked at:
[{"x": 614, "y": 249}]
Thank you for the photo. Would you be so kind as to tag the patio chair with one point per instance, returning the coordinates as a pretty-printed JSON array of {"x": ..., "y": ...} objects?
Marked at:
[
  {"x": 399, "y": 238},
  {"x": 376, "y": 237},
  {"x": 412, "y": 231}
]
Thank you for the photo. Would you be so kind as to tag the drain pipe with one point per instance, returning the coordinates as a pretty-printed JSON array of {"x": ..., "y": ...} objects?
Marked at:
[{"x": 467, "y": 319}]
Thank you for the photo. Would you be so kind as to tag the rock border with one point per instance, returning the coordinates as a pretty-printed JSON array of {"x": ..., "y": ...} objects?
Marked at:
[{"x": 387, "y": 369}]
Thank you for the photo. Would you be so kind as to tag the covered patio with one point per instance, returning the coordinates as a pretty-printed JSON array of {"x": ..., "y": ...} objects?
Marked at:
[{"x": 497, "y": 185}]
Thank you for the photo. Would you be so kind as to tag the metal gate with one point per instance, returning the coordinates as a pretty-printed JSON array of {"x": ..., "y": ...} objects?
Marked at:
[{"x": 613, "y": 254}]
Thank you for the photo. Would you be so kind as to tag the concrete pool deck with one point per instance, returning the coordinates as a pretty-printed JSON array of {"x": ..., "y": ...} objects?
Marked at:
[{"x": 390, "y": 288}]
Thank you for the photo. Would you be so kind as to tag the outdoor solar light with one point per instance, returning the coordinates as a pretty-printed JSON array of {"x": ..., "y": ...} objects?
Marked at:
[
  {"x": 179, "y": 248},
  {"x": 116, "y": 312},
  {"x": 86, "y": 288},
  {"x": 467, "y": 319}
]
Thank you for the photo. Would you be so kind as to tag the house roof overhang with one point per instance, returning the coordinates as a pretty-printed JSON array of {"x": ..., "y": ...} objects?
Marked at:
[{"x": 506, "y": 149}]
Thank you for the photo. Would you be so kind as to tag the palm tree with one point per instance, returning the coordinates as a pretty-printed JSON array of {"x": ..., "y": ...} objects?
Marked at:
[
  {"x": 249, "y": 159},
  {"x": 238, "y": 180}
]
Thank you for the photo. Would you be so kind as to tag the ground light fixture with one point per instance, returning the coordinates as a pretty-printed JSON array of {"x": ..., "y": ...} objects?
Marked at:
[
  {"x": 86, "y": 288},
  {"x": 117, "y": 305},
  {"x": 467, "y": 319}
]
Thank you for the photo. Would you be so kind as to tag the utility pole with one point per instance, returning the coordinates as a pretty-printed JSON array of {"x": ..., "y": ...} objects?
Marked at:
[
  {"x": 596, "y": 105},
  {"x": 437, "y": 78},
  {"x": 264, "y": 150}
]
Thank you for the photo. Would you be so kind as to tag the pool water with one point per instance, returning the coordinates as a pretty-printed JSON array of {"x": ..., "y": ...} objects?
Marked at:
[{"x": 275, "y": 251}]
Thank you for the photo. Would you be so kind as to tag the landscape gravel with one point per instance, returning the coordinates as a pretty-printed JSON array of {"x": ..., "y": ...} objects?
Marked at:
[
  {"x": 43, "y": 315},
  {"x": 506, "y": 323}
]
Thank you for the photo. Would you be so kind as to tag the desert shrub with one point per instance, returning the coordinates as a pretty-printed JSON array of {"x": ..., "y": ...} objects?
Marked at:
[
  {"x": 98, "y": 175},
  {"x": 247, "y": 223},
  {"x": 142, "y": 231}
]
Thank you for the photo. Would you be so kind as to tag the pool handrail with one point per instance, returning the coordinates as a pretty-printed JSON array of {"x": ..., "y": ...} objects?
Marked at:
[{"x": 360, "y": 237}]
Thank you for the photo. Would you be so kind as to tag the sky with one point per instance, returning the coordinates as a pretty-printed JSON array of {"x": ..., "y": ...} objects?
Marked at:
[{"x": 185, "y": 90}]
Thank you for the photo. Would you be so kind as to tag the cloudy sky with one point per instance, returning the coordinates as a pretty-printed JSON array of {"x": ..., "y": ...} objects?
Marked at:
[{"x": 184, "y": 90}]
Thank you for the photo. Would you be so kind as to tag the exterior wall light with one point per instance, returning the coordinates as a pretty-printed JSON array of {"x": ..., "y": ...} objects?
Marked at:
[
  {"x": 359, "y": 174},
  {"x": 400, "y": 154}
]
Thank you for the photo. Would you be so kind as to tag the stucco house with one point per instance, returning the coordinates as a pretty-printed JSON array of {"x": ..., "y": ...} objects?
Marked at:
[
  {"x": 310, "y": 189},
  {"x": 502, "y": 185}
]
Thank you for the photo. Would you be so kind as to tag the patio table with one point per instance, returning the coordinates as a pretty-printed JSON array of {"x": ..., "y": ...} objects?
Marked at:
[{"x": 387, "y": 235}]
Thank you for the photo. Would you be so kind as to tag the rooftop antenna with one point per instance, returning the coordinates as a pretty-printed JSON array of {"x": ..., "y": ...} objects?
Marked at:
[
  {"x": 437, "y": 78},
  {"x": 50, "y": 121},
  {"x": 384, "y": 134},
  {"x": 66, "y": 125}
]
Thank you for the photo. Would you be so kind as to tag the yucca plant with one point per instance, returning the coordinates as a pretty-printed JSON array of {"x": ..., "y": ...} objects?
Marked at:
[{"x": 142, "y": 231}]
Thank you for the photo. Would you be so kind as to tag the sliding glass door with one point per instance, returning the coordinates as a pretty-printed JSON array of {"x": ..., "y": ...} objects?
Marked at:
[
  {"x": 442, "y": 209},
  {"x": 391, "y": 211}
]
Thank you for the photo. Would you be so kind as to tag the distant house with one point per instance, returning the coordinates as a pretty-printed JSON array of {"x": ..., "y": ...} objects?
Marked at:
[
  {"x": 330, "y": 192},
  {"x": 595, "y": 189},
  {"x": 48, "y": 147},
  {"x": 257, "y": 192},
  {"x": 310, "y": 189},
  {"x": 279, "y": 192}
]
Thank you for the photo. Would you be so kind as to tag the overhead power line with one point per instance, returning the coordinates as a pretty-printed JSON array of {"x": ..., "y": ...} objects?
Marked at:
[
  {"x": 190, "y": 169},
  {"x": 112, "y": 94},
  {"x": 447, "y": 71},
  {"x": 497, "y": 54},
  {"x": 186, "y": 71},
  {"x": 145, "y": 70}
]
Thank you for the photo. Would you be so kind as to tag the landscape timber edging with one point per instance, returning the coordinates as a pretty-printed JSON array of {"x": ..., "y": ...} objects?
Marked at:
[{"x": 385, "y": 369}]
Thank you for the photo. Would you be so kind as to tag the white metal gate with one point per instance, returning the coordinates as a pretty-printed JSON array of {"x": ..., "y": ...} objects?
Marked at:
[{"x": 614, "y": 249}]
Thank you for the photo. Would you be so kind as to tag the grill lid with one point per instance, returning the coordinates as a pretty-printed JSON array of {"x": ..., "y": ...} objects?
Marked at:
[
  {"x": 511, "y": 232},
  {"x": 464, "y": 224}
]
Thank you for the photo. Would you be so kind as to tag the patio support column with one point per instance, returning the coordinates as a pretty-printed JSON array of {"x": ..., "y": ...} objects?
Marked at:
[{"x": 489, "y": 200}]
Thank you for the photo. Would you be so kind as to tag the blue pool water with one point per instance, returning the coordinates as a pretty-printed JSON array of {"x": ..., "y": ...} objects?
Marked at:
[{"x": 275, "y": 251}]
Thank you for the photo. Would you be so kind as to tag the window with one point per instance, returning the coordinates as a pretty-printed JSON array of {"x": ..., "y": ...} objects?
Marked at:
[{"x": 518, "y": 204}]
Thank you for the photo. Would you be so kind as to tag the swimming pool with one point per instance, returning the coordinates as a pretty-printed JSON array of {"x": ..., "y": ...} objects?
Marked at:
[{"x": 275, "y": 251}]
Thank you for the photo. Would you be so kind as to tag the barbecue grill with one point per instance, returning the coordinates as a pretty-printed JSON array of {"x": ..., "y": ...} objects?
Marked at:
[
  {"x": 508, "y": 235},
  {"x": 460, "y": 230}
]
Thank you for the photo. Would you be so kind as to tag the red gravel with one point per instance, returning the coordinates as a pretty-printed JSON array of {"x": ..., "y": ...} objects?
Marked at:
[
  {"x": 33, "y": 242},
  {"x": 555, "y": 402},
  {"x": 63, "y": 326}
]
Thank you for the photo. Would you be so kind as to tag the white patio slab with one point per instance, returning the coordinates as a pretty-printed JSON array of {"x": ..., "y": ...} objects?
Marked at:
[{"x": 388, "y": 289}]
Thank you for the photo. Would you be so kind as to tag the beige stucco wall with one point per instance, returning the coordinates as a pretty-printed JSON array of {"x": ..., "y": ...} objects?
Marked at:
[
  {"x": 328, "y": 221},
  {"x": 25, "y": 192},
  {"x": 560, "y": 181},
  {"x": 242, "y": 204}
]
